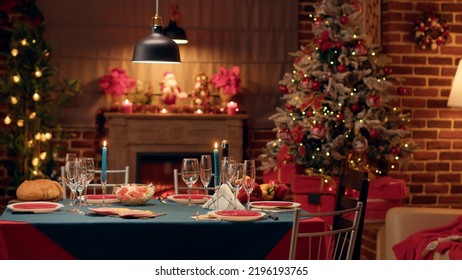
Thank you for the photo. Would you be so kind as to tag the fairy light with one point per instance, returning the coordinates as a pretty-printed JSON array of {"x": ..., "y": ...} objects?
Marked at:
[
  {"x": 38, "y": 73},
  {"x": 20, "y": 123},
  {"x": 48, "y": 135},
  {"x": 36, "y": 96},
  {"x": 35, "y": 161},
  {"x": 43, "y": 155},
  {"x": 7, "y": 120},
  {"x": 16, "y": 78},
  {"x": 373, "y": 53},
  {"x": 37, "y": 136},
  {"x": 13, "y": 100},
  {"x": 354, "y": 36},
  {"x": 14, "y": 52},
  {"x": 34, "y": 41},
  {"x": 32, "y": 115},
  {"x": 24, "y": 42},
  {"x": 328, "y": 154},
  {"x": 30, "y": 143},
  {"x": 43, "y": 138},
  {"x": 35, "y": 172},
  {"x": 353, "y": 53}
]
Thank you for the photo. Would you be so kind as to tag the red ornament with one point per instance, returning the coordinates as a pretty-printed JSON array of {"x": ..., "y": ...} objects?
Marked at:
[
  {"x": 354, "y": 108},
  {"x": 283, "y": 89},
  {"x": 395, "y": 151},
  {"x": 340, "y": 117},
  {"x": 344, "y": 20},
  {"x": 289, "y": 107},
  {"x": 402, "y": 91},
  {"x": 374, "y": 133},
  {"x": 306, "y": 83},
  {"x": 403, "y": 127},
  {"x": 387, "y": 70},
  {"x": 341, "y": 68},
  {"x": 288, "y": 158},
  {"x": 316, "y": 85},
  {"x": 298, "y": 134},
  {"x": 373, "y": 100},
  {"x": 338, "y": 45},
  {"x": 317, "y": 131},
  {"x": 284, "y": 134}
]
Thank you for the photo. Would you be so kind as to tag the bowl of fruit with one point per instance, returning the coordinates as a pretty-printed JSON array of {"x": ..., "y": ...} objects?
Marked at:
[{"x": 135, "y": 194}]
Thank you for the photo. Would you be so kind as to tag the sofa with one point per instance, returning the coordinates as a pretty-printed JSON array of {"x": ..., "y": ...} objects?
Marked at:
[{"x": 402, "y": 222}]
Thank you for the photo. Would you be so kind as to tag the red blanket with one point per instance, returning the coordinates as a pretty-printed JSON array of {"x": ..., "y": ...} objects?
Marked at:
[{"x": 423, "y": 244}]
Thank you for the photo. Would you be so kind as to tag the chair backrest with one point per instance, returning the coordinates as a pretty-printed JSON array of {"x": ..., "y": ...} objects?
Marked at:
[
  {"x": 96, "y": 183},
  {"x": 120, "y": 177},
  {"x": 329, "y": 244},
  {"x": 197, "y": 188},
  {"x": 353, "y": 186}
]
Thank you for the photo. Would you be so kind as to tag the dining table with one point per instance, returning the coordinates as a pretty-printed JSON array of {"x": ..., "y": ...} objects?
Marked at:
[{"x": 176, "y": 234}]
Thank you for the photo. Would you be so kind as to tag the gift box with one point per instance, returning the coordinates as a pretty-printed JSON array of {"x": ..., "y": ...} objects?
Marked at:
[{"x": 315, "y": 194}]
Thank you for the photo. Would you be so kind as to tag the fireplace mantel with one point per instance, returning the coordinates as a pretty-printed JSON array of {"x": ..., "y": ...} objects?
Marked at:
[{"x": 133, "y": 134}]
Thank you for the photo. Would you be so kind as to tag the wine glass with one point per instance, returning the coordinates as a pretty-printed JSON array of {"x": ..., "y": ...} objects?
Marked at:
[
  {"x": 206, "y": 171},
  {"x": 223, "y": 169},
  {"x": 71, "y": 178},
  {"x": 90, "y": 174},
  {"x": 248, "y": 178},
  {"x": 235, "y": 173},
  {"x": 190, "y": 174}
]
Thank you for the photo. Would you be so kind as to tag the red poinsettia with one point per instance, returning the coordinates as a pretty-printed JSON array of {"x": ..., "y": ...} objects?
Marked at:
[{"x": 117, "y": 82}]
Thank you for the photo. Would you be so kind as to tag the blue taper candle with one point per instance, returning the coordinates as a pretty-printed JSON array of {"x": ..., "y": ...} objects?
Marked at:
[
  {"x": 216, "y": 165},
  {"x": 103, "y": 162}
]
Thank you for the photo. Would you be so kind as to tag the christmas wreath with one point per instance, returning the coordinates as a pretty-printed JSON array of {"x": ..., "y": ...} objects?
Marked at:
[{"x": 431, "y": 32}]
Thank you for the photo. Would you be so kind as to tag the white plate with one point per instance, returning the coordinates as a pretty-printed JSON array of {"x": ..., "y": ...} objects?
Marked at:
[
  {"x": 35, "y": 206},
  {"x": 98, "y": 198},
  {"x": 274, "y": 204},
  {"x": 238, "y": 215},
  {"x": 195, "y": 198}
]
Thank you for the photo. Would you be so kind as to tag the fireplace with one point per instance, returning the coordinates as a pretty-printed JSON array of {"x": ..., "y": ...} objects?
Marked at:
[
  {"x": 154, "y": 144},
  {"x": 158, "y": 169}
]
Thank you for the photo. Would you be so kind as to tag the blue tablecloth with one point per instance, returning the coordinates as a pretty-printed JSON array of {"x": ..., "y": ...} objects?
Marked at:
[{"x": 172, "y": 236}]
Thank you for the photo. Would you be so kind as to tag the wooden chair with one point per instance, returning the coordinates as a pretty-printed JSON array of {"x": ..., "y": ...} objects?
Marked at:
[
  {"x": 331, "y": 244},
  {"x": 352, "y": 188},
  {"x": 181, "y": 189},
  {"x": 96, "y": 183}
]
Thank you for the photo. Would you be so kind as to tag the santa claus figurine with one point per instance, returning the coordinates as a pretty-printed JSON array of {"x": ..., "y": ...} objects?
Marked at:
[{"x": 170, "y": 89}]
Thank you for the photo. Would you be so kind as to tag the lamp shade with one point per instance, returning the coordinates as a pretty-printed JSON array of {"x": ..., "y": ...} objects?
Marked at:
[
  {"x": 455, "y": 96},
  {"x": 176, "y": 33},
  {"x": 156, "y": 48}
]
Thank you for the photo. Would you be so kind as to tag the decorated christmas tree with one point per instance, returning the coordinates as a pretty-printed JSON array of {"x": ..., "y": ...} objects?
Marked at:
[
  {"x": 339, "y": 101},
  {"x": 30, "y": 97}
]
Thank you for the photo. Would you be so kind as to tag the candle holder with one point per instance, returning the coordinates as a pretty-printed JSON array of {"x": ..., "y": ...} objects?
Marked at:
[{"x": 103, "y": 193}]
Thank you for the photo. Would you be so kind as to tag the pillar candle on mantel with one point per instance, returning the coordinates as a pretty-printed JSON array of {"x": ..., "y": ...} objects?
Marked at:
[
  {"x": 104, "y": 162},
  {"x": 231, "y": 108},
  {"x": 216, "y": 165},
  {"x": 127, "y": 107}
]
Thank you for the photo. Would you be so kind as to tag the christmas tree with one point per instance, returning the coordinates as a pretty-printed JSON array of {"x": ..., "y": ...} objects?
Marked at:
[
  {"x": 338, "y": 101},
  {"x": 31, "y": 98}
]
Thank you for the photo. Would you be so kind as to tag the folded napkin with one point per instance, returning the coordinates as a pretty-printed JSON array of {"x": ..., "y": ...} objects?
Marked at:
[{"x": 224, "y": 198}]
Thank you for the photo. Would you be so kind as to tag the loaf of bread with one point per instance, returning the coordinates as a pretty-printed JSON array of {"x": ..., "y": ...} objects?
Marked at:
[{"x": 40, "y": 189}]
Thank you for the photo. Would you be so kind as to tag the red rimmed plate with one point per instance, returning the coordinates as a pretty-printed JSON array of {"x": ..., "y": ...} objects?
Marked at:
[
  {"x": 195, "y": 198},
  {"x": 98, "y": 198},
  {"x": 274, "y": 204},
  {"x": 35, "y": 206},
  {"x": 239, "y": 215}
]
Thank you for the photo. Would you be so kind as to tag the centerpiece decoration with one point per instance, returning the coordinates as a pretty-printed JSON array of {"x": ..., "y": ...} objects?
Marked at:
[
  {"x": 227, "y": 81},
  {"x": 116, "y": 84},
  {"x": 431, "y": 31}
]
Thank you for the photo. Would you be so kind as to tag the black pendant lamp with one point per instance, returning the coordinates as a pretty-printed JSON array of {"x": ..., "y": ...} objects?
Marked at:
[
  {"x": 156, "y": 48},
  {"x": 173, "y": 31}
]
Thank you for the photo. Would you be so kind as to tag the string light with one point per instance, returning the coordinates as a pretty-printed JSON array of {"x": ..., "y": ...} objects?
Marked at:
[
  {"x": 24, "y": 42},
  {"x": 38, "y": 73},
  {"x": 43, "y": 155},
  {"x": 14, "y": 52},
  {"x": 16, "y": 78},
  {"x": 48, "y": 135},
  {"x": 32, "y": 115},
  {"x": 36, "y": 96},
  {"x": 20, "y": 123},
  {"x": 35, "y": 161},
  {"x": 7, "y": 120},
  {"x": 37, "y": 136},
  {"x": 13, "y": 100}
]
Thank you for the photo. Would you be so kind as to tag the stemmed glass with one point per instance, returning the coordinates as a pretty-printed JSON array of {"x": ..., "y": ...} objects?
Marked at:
[
  {"x": 235, "y": 175},
  {"x": 190, "y": 175},
  {"x": 70, "y": 178},
  {"x": 206, "y": 171},
  {"x": 224, "y": 168},
  {"x": 248, "y": 178},
  {"x": 90, "y": 174}
]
